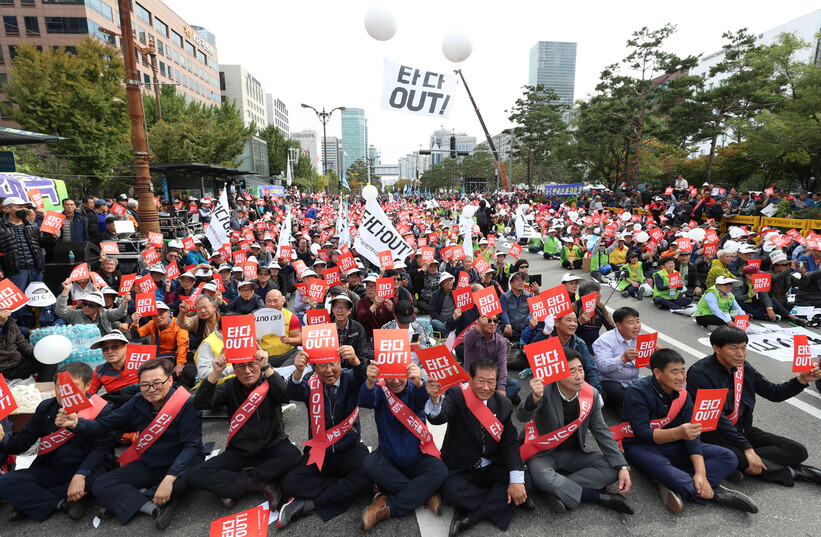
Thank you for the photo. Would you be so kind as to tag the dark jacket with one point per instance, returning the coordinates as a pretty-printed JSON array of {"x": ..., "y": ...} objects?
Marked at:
[
  {"x": 10, "y": 262},
  {"x": 264, "y": 428},
  {"x": 591, "y": 373},
  {"x": 242, "y": 306},
  {"x": 437, "y": 300},
  {"x": 91, "y": 225},
  {"x": 354, "y": 335},
  {"x": 79, "y": 228},
  {"x": 14, "y": 348}
]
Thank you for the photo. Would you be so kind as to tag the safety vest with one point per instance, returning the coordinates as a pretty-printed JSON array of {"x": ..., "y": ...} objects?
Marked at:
[
  {"x": 636, "y": 273},
  {"x": 724, "y": 304},
  {"x": 665, "y": 278},
  {"x": 272, "y": 344},
  {"x": 215, "y": 342},
  {"x": 551, "y": 245}
]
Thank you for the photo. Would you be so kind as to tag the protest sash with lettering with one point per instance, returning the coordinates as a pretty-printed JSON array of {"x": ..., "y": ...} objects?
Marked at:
[
  {"x": 623, "y": 429},
  {"x": 738, "y": 385},
  {"x": 482, "y": 413},
  {"x": 61, "y": 436},
  {"x": 411, "y": 421},
  {"x": 156, "y": 428},
  {"x": 247, "y": 408},
  {"x": 454, "y": 341},
  {"x": 322, "y": 439},
  {"x": 534, "y": 443}
]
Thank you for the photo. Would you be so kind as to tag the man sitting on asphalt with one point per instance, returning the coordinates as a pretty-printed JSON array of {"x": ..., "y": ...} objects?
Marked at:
[
  {"x": 615, "y": 354},
  {"x": 514, "y": 307},
  {"x": 484, "y": 342},
  {"x": 442, "y": 304}
]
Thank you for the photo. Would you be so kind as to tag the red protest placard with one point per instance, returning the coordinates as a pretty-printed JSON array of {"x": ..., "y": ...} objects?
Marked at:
[
  {"x": 36, "y": 197},
  {"x": 145, "y": 284},
  {"x": 285, "y": 252},
  {"x": 761, "y": 282},
  {"x": 299, "y": 267},
  {"x": 515, "y": 250},
  {"x": 245, "y": 246},
  {"x": 646, "y": 346},
  {"x": 441, "y": 366},
  {"x": 710, "y": 248},
  {"x": 97, "y": 279},
  {"x": 71, "y": 398},
  {"x": 463, "y": 298},
  {"x": 487, "y": 301},
  {"x": 674, "y": 280},
  {"x": 589, "y": 302},
  {"x": 480, "y": 264},
  {"x": 118, "y": 209},
  {"x": 250, "y": 523},
  {"x": 225, "y": 252},
  {"x": 491, "y": 240},
  {"x": 668, "y": 191},
  {"x": 391, "y": 349},
  {"x": 239, "y": 336},
  {"x": 464, "y": 280},
  {"x": 188, "y": 243},
  {"x": 421, "y": 242},
  {"x": 707, "y": 408},
  {"x": 557, "y": 301},
  {"x": 537, "y": 308},
  {"x": 802, "y": 356},
  {"x": 249, "y": 270},
  {"x": 385, "y": 287},
  {"x": 137, "y": 355},
  {"x": 458, "y": 253},
  {"x": 347, "y": 261},
  {"x": 7, "y": 402},
  {"x": 754, "y": 263},
  {"x": 316, "y": 289},
  {"x": 684, "y": 245},
  {"x": 547, "y": 360},
  {"x": 80, "y": 272},
  {"x": 11, "y": 298},
  {"x": 155, "y": 239},
  {"x": 321, "y": 342},
  {"x": 146, "y": 304},
  {"x": 323, "y": 255},
  {"x": 172, "y": 271},
  {"x": 195, "y": 294},
  {"x": 109, "y": 247},
  {"x": 446, "y": 253},
  {"x": 151, "y": 256},
  {"x": 318, "y": 316},
  {"x": 427, "y": 254},
  {"x": 126, "y": 283},
  {"x": 610, "y": 231},
  {"x": 52, "y": 221},
  {"x": 332, "y": 276},
  {"x": 742, "y": 321},
  {"x": 240, "y": 257}
]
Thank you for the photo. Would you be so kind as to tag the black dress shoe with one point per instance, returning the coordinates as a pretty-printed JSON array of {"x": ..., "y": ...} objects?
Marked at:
[
  {"x": 15, "y": 515},
  {"x": 528, "y": 504},
  {"x": 165, "y": 514},
  {"x": 76, "y": 510},
  {"x": 555, "y": 504},
  {"x": 734, "y": 499},
  {"x": 810, "y": 474},
  {"x": 735, "y": 478},
  {"x": 273, "y": 494},
  {"x": 228, "y": 503},
  {"x": 103, "y": 513},
  {"x": 461, "y": 521},
  {"x": 615, "y": 502}
]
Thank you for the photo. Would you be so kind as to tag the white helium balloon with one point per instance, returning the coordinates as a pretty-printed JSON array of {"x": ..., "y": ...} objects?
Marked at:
[
  {"x": 315, "y": 248},
  {"x": 370, "y": 193},
  {"x": 642, "y": 236},
  {"x": 379, "y": 23},
  {"x": 456, "y": 46},
  {"x": 697, "y": 234},
  {"x": 469, "y": 210},
  {"x": 625, "y": 216},
  {"x": 573, "y": 216},
  {"x": 731, "y": 246},
  {"x": 52, "y": 349}
]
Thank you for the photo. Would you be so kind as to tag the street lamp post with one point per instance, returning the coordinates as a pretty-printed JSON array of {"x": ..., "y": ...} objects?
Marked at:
[{"x": 324, "y": 117}]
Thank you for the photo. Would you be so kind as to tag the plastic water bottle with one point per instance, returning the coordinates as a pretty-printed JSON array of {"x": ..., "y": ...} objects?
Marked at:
[
  {"x": 71, "y": 257},
  {"x": 524, "y": 373}
]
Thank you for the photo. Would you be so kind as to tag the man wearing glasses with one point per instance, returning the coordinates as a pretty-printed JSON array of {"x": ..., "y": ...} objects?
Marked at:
[
  {"x": 120, "y": 384},
  {"x": 485, "y": 342},
  {"x": 152, "y": 476},
  {"x": 90, "y": 310}
]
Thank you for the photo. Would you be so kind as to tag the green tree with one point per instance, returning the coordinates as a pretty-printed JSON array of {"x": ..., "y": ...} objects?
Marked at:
[
  {"x": 78, "y": 96},
  {"x": 357, "y": 175},
  {"x": 278, "y": 150}
]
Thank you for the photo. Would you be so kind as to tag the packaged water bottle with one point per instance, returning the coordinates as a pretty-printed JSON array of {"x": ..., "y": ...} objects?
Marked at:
[
  {"x": 71, "y": 257},
  {"x": 524, "y": 373}
]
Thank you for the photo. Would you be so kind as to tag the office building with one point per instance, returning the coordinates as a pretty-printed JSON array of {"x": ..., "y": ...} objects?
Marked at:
[
  {"x": 186, "y": 55},
  {"x": 239, "y": 87},
  {"x": 502, "y": 142},
  {"x": 354, "y": 136},
  {"x": 373, "y": 155},
  {"x": 553, "y": 64},
  {"x": 332, "y": 148},
  {"x": 254, "y": 158},
  {"x": 277, "y": 114},
  {"x": 308, "y": 141},
  {"x": 440, "y": 141}
]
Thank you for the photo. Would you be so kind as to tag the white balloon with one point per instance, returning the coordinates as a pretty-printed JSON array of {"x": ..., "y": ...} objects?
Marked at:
[
  {"x": 456, "y": 46},
  {"x": 697, "y": 234},
  {"x": 315, "y": 248},
  {"x": 731, "y": 246},
  {"x": 370, "y": 193},
  {"x": 573, "y": 216},
  {"x": 380, "y": 23},
  {"x": 625, "y": 216},
  {"x": 642, "y": 236},
  {"x": 52, "y": 349},
  {"x": 469, "y": 210}
]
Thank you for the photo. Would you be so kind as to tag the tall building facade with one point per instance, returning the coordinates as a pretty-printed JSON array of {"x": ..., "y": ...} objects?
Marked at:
[
  {"x": 308, "y": 141},
  {"x": 354, "y": 136},
  {"x": 440, "y": 141},
  {"x": 238, "y": 86},
  {"x": 332, "y": 154},
  {"x": 186, "y": 55},
  {"x": 277, "y": 114},
  {"x": 553, "y": 64}
]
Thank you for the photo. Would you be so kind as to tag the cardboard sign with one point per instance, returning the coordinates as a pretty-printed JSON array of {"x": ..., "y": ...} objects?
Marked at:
[
  {"x": 118, "y": 209},
  {"x": 487, "y": 301},
  {"x": 441, "y": 366},
  {"x": 610, "y": 231},
  {"x": 761, "y": 282},
  {"x": 537, "y": 308},
  {"x": 245, "y": 246},
  {"x": 707, "y": 408},
  {"x": 195, "y": 294},
  {"x": 250, "y": 523},
  {"x": 249, "y": 270},
  {"x": 97, "y": 280},
  {"x": 145, "y": 284},
  {"x": 710, "y": 248},
  {"x": 316, "y": 289},
  {"x": 515, "y": 250},
  {"x": 188, "y": 243},
  {"x": 137, "y": 355},
  {"x": 321, "y": 342},
  {"x": 80, "y": 272},
  {"x": 11, "y": 297},
  {"x": 446, "y": 253},
  {"x": 491, "y": 240},
  {"x": 802, "y": 357},
  {"x": 285, "y": 252},
  {"x": 240, "y": 257},
  {"x": 423, "y": 241},
  {"x": 172, "y": 271},
  {"x": 7, "y": 402},
  {"x": 384, "y": 287},
  {"x": 557, "y": 301},
  {"x": 463, "y": 298},
  {"x": 391, "y": 349},
  {"x": 72, "y": 399},
  {"x": 302, "y": 289},
  {"x": 547, "y": 360},
  {"x": 126, "y": 283},
  {"x": 146, "y": 304},
  {"x": 109, "y": 247},
  {"x": 347, "y": 261},
  {"x": 480, "y": 264},
  {"x": 668, "y": 191},
  {"x": 674, "y": 280},
  {"x": 646, "y": 345},
  {"x": 742, "y": 321},
  {"x": 269, "y": 321},
  {"x": 239, "y": 337},
  {"x": 323, "y": 255},
  {"x": 318, "y": 316},
  {"x": 151, "y": 256},
  {"x": 657, "y": 234},
  {"x": 332, "y": 276},
  {"x": 589, "y": 302},
  {"x": 52, "y": 222},
  {"x": 225, "y": 252},
  {"x": 684, "y": 245},
  {"x": 428, "y": 254},
  {"x": 155, "y": 239}
]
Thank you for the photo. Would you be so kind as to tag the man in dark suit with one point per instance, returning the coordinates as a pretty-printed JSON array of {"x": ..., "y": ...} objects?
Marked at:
[
  {"x": 558, "y": 416},
  {"x": 487, "y": 477}
]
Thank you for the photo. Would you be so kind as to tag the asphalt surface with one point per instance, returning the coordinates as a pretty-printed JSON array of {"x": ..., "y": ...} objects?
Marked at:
[{"x": 783, "y": 511}]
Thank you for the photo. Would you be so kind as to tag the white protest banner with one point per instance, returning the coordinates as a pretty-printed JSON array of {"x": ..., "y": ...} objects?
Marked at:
[
  {"x": 269, "y": 321},
  {"x": 416, "y": 91},
  {"x": 285, "y": 234},
  {"x": 377, "y": 234},
  {"x": 466, "y": 227},
  {"x": 775, "y": 341},
  {"x": 221, "y": 215},
  {"x": 524, "y": 230}
]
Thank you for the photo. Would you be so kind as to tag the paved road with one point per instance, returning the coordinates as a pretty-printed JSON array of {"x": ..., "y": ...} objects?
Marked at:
[{"x": 783, "y": 511}]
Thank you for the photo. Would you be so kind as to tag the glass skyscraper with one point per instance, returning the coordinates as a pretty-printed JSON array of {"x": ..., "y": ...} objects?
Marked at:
[
  {"x": 354, "y": 137},
  {"x": 553, "y": 64}
]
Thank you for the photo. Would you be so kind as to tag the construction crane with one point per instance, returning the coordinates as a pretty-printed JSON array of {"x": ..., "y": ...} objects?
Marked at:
[{"x": 499, "y": 166}]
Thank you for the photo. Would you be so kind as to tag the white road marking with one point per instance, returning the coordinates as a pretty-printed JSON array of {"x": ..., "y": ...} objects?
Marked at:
[
  {"x": 674, "y": 342},
  {"x": 806, "y": 407},
  {"x": 812, "y": 392},
  {"x": 431, "y": 525}
]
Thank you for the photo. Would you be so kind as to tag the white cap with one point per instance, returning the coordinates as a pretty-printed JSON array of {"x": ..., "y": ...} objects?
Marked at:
[
  {"x": 109, "y": 291},
  {"x": 115, "y": 335},
  {"x": 224, "y": 266},
  {"x": 724, "y": 279},
  {"x": 399, "y": 265},
  {"x": 96, "y": 297},
  {"x": 746, "y": 249},
  {"x": 210, "y": 286},
  {"x": 445, "y": 276},
  {"x": 319, "y": 262},
  {"x": 483, "y": 241},
  {"x": 203, "y": 273},
  {"x": 252, "y": 259},
  {"x": 309, "y": 272},
  {"x": 274, "y": 265},
  {"x": 370, "y": 278},
  {"x": 355, "y": 270},
  {"x": 246, "y": 283},
  {"x": 255, "y": 245},
  {"x": 174, "y": 243},
  {"x": 156, "y": 268},
  {"x": 14, "y": 200},
  {"x": 571, "y": 278},
  {"x": 162, "y": 306}
]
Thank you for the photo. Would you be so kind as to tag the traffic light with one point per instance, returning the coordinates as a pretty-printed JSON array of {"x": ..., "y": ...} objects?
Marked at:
[
  {"x": 424, "y": 151},
  {"x": 453, "y": 147}
]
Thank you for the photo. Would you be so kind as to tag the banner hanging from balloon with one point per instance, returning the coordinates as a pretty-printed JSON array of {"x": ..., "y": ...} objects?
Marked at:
[
  {"x": 417, "y": 91},
  {"x": 376, "y": 232}
]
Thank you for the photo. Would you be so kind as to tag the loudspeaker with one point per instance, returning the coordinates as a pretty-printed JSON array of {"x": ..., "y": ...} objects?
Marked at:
[{"x": 83, "y": 252}]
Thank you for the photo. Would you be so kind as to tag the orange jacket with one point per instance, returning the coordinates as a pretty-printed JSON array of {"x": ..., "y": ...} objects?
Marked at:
[{"x": 173, "y": 340}]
